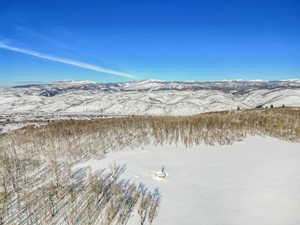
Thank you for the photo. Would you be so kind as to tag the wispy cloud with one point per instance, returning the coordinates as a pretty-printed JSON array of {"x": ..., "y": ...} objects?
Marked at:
[
  {"x": 65, "y": 61},
  {"x": 28, "y": 33}
]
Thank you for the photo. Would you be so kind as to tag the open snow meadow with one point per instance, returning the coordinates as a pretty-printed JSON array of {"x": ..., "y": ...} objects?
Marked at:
[
  {"x": 217, "y": 168},
  {"x": 255, "y": 181}
]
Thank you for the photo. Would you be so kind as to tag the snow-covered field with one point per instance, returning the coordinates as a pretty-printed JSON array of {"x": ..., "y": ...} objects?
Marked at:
[{"x": 254, "y": 182}]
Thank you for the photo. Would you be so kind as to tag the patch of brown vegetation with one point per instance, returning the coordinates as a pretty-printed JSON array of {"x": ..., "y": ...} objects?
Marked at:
[{"x": 36, "y": 162}]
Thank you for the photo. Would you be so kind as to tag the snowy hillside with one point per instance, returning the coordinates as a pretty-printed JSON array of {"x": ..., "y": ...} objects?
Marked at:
[
  {"x": 218, "y": 168},
  {"x": 146, "y": 97},
  {"x": 250, "y": 182}
]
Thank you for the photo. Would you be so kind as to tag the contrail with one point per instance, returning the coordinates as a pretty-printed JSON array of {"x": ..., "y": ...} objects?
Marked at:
[{"x": 66, "y": 61}]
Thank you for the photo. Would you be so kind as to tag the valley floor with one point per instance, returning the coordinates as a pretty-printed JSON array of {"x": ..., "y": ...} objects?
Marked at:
[{"x": 254, "y": 182}]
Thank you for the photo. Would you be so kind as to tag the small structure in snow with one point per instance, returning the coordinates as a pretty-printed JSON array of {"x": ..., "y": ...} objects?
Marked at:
[{"x": 160, "y": 175}]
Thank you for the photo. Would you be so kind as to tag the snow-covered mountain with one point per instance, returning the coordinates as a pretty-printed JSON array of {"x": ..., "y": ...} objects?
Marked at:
[{"x": 146, "y": 97}]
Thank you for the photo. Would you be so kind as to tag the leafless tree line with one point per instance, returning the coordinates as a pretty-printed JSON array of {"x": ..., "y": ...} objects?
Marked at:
[
  {"x": 80, "y": 197},
  {"x": 38, "y": 185},
  {"x": 94, "y": 137}
]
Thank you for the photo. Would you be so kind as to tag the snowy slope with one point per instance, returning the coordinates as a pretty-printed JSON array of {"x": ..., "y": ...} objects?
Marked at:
[
  {"x": 251, "y": 182},
  {"x": 146, "y": 97}
]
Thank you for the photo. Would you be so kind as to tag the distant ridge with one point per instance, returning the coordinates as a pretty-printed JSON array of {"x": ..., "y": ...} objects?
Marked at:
[
  {"x": 150, "y": 80},
  {"x": 147, "y": 97}
]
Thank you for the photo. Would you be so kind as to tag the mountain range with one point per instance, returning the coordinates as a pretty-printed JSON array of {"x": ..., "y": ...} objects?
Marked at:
[{"x": 151, "y": 97}]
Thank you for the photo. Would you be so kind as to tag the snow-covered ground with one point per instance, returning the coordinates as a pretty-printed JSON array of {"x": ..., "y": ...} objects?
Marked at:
[
  {"x": 150, "y": 97},
  {"x": 254, "y": 182}
]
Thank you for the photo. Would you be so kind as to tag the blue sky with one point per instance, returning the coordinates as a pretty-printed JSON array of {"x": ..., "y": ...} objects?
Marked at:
[{"x": 168, "y": 40}]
